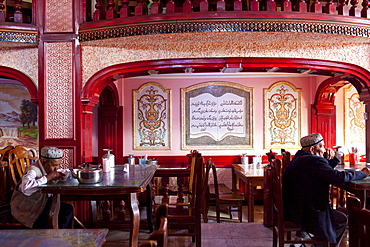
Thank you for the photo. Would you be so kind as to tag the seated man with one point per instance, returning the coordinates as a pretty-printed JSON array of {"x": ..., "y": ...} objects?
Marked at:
[
  {"x": 31, "y": 207},
  {"x": 306, "y": 183}
]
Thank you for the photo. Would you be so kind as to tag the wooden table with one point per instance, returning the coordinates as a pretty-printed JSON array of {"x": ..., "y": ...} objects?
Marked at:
[
  {"x": 357, "y": 187},
  {"x": 253, "y": 177},
  {"x": 53, "y": 237},
  {"x": 116, "y": 185}
]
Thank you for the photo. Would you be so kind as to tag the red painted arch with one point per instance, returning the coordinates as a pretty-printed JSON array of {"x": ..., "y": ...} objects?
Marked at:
[
  {"x": 22, "y": 78},
  {"x": 104, "y": 77}
]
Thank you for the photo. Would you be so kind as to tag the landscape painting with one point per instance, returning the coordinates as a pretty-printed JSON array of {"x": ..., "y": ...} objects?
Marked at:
[{"x": 18, "y": 115}]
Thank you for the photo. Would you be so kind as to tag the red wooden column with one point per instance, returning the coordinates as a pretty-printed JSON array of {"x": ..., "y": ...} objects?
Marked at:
[
  {"x": 87, "y": 123},
  {"x": 59, "y": 78},
  {"x": 324, "y": 122}
]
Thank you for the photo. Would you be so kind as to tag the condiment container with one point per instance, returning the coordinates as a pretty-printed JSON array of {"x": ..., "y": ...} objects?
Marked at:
[{"x": 131, "y": 159}]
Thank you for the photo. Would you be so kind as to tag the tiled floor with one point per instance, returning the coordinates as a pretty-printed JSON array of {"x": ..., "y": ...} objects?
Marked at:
[{"x": 229, "y": 233}]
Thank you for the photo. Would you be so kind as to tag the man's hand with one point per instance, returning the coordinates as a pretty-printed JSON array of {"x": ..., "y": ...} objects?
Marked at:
[
  {"x": 329, "y": 154},
  {"x": 53, "y": 176},
  {"x": 366, "y": 170}
]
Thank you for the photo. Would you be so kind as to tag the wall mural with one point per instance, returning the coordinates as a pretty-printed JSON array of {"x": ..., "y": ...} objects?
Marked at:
[
  {"x": 354, "y": 120},
  {"x": 282, "y": 121},
  {"x": 18, "y": 116},
  {"x": 217, "y": 115},
  {"x": 152, "y": 117}
]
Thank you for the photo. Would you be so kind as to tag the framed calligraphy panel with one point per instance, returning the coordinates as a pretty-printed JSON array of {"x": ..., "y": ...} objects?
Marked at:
[
  {"x": 354, "y": 120},
  {"x": 282, "y": 121},
  {"x": 152, "y": 117},
  {"x": 217, "y": 115}
]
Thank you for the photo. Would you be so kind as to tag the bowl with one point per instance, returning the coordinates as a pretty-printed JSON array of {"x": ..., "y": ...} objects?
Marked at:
[{"x": 90, "y": 175}]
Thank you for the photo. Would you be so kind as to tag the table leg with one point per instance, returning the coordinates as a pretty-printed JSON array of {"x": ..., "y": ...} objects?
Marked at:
[
  {"x": 131, "y": 201},
  {"x": 54, "y": 212},
  {"x": 149, "y": 205}
]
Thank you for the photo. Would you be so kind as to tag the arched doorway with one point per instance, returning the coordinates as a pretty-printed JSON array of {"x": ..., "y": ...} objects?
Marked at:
[{"x": 110, "y": 123}]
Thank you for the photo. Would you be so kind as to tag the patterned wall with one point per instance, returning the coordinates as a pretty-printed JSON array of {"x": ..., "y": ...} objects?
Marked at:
[
  {"x": 97, "y": 55},
  {"x": 59, "y": 91},
  {"x": 59, "y": 16}
]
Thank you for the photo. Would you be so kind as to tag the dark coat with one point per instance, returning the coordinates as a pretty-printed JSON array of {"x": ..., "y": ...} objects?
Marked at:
[{"x": 306, "y": 183}]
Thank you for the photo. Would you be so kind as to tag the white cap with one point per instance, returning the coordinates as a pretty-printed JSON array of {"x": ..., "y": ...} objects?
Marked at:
[
  {"x": 311, "y": 140},
  {"x": 51, "y": 153}
]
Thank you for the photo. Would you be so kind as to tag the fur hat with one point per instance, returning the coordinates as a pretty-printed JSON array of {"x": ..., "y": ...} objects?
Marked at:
[
  {"x": 51, "y": 153},
  {"x": 311, "y": 140}
]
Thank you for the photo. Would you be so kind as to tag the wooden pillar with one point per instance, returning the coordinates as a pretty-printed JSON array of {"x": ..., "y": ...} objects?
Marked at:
[{"x": 59, "y": 78}]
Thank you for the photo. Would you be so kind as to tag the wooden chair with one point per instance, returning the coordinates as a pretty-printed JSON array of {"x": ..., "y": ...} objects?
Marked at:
[
  {"x": 159, "y": 237},
  {"x": 20, "y": 158},
  {"x": 187, "y": 215},
  {"x": 13, "y": 171},
  {"x": 282, "y": 230},
  {"x": 359, "y": 223},
  {"x": 229, "y": 200},
  {"x": 5, "y": 191}
]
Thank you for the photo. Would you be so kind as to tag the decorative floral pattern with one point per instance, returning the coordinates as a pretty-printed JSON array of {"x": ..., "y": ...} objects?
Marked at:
[
  {"x": 152, "y": 123},
  {"x": 282, "y": 116},
  {"x": 354, "y": 119}
]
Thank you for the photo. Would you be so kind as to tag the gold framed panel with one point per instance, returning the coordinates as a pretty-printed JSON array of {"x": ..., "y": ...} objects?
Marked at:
[
  {"x": 217, "y": 115},
  {"x": 152, "y": 117},
  {"x": 282, "y": 116},
  {"x": 354, "y": 120}
]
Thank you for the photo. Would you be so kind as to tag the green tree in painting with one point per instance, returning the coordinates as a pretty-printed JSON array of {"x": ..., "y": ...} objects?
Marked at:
[{"x": 28, "y": 113}]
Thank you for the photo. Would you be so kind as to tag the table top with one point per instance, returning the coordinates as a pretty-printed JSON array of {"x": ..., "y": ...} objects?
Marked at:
[
  {"x": 53, "y": 237},
  {"x": 250, "y": 170},
  {"x": 116, "y": 182}
]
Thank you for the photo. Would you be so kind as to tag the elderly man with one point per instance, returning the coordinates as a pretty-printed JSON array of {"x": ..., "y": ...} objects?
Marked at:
[
  {"x": 31, "y": 207},
  {"x": 306, "y": 183}
]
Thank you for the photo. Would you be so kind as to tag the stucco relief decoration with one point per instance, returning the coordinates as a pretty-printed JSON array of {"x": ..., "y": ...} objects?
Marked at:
[
  {"x": 59, "y": 91},
  {"x": 354, "y": 120},
  {"x": 59, "y": 16},
  {"x": 217, "y": 115},
  {"x": 282, "y": 116},
  {"x": 152, "y": 117}
]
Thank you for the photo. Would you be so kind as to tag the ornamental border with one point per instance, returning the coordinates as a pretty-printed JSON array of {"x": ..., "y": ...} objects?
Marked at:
[
  {"x": 20, "y": 37},
  {"x": 222, "y": 26}
]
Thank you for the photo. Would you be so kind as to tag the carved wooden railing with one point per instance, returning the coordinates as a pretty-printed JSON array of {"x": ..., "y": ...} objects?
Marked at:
[{"x": 125, "y": 9}]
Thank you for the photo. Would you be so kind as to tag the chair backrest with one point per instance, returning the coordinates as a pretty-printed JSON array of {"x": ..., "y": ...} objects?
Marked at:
[
  {"x": 195, "y": 156},
  {"x": 285, "y": 160},
  {"x": 20, "y": 158},
  {"x": 277, "y": 198},
  {"x": 358, "y": 218},
  {"x": 5, "y": 191},
  {"x": 4, "y": 153},
  {"x": 161, "y": 235},
  {"x": 215, "y": 181}
]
